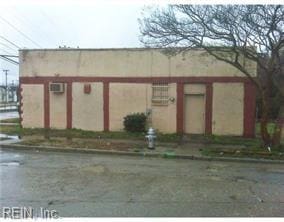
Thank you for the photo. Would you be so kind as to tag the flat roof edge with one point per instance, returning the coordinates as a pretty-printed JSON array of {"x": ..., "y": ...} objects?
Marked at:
[{"x": 102, "y": 49}]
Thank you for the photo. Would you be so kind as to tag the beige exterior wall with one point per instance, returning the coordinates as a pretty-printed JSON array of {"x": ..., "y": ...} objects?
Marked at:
[
  {"x": 33, "y": 106},
  {"x": 88, "y": 108},
  {"x": 228, "y": 108},
  {"x": 194, "y": 89},
  {"x": 164, "y": 117},
  {"x": 122, "y": 62},
  {"x": 127, "y": 98},
  {"x": 58, "y": 114}
]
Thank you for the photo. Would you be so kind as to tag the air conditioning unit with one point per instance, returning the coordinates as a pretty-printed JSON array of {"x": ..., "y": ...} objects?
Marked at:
[{"x": 56, "y": 87}]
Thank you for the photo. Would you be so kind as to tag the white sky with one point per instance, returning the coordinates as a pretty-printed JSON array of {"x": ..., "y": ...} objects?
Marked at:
[
  {"x": 54, "y": 25},
  {"x": 83, "y": 23}
]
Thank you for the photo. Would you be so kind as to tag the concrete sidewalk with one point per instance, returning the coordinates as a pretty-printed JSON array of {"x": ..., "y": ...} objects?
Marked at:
[{"x": 171, "y": 151}]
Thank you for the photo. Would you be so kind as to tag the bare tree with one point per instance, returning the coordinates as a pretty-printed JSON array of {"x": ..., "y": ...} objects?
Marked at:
[{"x": 230, "y": 33}]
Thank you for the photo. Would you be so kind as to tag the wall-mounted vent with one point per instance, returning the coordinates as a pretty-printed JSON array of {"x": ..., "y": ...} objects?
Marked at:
[{"x": 56, "y": 87}]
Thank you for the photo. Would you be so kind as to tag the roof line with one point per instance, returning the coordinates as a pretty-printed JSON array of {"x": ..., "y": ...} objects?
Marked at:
[{"x": 97, "y": 49}]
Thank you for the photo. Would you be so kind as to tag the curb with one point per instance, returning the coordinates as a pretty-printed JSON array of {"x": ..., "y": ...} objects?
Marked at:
[
  {"x": 77, "y": 150},
  {"x": 141, "y": 154}
]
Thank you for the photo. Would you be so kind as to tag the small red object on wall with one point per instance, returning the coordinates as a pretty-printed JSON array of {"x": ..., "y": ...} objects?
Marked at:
[{"x": 87, "y": 88}]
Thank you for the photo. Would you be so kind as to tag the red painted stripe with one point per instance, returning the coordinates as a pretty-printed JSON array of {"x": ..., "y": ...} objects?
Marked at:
[
  {"x": 106, "y": 105},
  {"x": 208, "y": 107},
  {"x": 191, "y": 79},
  {"x": 20, "y": 97},
  {"x": 69, "y": 105},
  {"x": 180, "y": 108},
  {"x": 249, "y": 110},
  {"x": 46, "y": 105}
]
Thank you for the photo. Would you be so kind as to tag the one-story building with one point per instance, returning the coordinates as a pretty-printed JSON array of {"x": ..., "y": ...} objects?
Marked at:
[{"x": 93, "y": 89}]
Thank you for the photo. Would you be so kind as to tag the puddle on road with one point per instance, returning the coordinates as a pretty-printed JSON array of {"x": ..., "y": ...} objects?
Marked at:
[
  {"x": 211, "y": 177},
  {"x": 280, "y": 171},
  {"x": 14, "y": 137},
  {"x": 94, "y": 169},
  {"x": 10, "y": 163}
]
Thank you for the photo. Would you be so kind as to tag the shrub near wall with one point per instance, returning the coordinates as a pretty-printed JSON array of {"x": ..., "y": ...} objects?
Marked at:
[{"x": 135, "y": 122}]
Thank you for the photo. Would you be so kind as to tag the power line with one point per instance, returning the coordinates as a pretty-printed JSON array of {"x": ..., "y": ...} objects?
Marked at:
[
  {"x": 9, "y": 60},
  {"x": 51, "y": 21},
  {"x": 11, "y": 56},
  {"x": 7, "y": 46},
  {"x": 6, "y": 51},
  {"x": 10, "y": 42},
  {"x": 34, "y": 26},
  {"x": 23, "y": 34}
]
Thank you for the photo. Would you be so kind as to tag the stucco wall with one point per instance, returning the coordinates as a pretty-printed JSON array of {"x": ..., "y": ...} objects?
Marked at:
[
  {"x": 88, "y": 108},
  {"x": 132, "y": 98},
  {"x": 194, "y": 89},
  {"x": 33, "y": 106},
  {"x": 58, "y": 114},
  {"x": 125, "y": 99},
  {"x": 121, "y": 62},
  {"x": 228, "y": 107},
  {"x": 164, "y": 117}
]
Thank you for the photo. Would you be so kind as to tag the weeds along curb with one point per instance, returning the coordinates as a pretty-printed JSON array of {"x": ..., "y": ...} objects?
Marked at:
[
  {"x": 139, "y": 154},
  {"x": 77, "y": 150}
]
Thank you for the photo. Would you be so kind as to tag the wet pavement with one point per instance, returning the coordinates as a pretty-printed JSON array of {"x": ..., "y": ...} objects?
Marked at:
[
  {"x": 8, "y": 115},
  {"x": 84, "y": 185}
]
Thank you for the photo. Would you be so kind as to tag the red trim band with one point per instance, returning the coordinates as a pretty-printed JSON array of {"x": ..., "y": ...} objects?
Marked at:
[
  {"x": 106, "y": 105},
  {"x": 69, "y": 105},
  {"x": 20, "y": 97},
  {"x": 180, "y": 108},
  {"x": 46, "y": 105},
  {"x": 208, "y": 109}
]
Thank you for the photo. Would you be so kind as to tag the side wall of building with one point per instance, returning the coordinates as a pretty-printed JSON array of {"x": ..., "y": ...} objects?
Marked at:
[
  {"x": 87, "y": 107},
  {"x": 121, "y": 84},
  {"x": 228, "y": 109},
  {"x": 124, "y": 99},
  {"x": 32, "y": 106}
]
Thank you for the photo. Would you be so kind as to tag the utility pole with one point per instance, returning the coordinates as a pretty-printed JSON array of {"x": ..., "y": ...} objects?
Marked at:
[{"x": 6, "y": 86}]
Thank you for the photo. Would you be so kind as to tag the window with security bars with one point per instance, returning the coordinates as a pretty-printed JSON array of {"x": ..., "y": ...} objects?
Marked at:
[{"x": 160, "y": 95}]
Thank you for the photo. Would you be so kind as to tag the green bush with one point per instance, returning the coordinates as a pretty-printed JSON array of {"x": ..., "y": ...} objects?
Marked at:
[{"x": 135, "y": 122}]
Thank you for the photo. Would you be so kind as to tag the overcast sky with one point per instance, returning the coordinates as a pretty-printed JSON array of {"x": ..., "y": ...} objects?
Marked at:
[
  {"x": 83, "y": 23},
  {"x": 97, "y": 25}
]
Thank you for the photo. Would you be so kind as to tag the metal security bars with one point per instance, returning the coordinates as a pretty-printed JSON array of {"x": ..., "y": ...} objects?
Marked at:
[{"x": 160, "y": 96}]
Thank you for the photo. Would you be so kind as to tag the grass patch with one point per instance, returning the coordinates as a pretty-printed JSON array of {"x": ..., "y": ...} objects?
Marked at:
[
  {"x": 162, "y": 138},
  {"x": 77, "y": 133},
  {"x": 11, "y": 120},
  {"x": 270, "y": 128},
  {"x": 253, "y": 152},
  {"x": 11, "y": 130},
  {"x": 84, "y": 143},
  {"x": 226, "y": 140}
]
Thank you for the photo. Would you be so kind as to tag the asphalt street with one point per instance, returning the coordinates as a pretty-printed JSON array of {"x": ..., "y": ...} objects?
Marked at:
[{"x": 89, "y": 185}]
